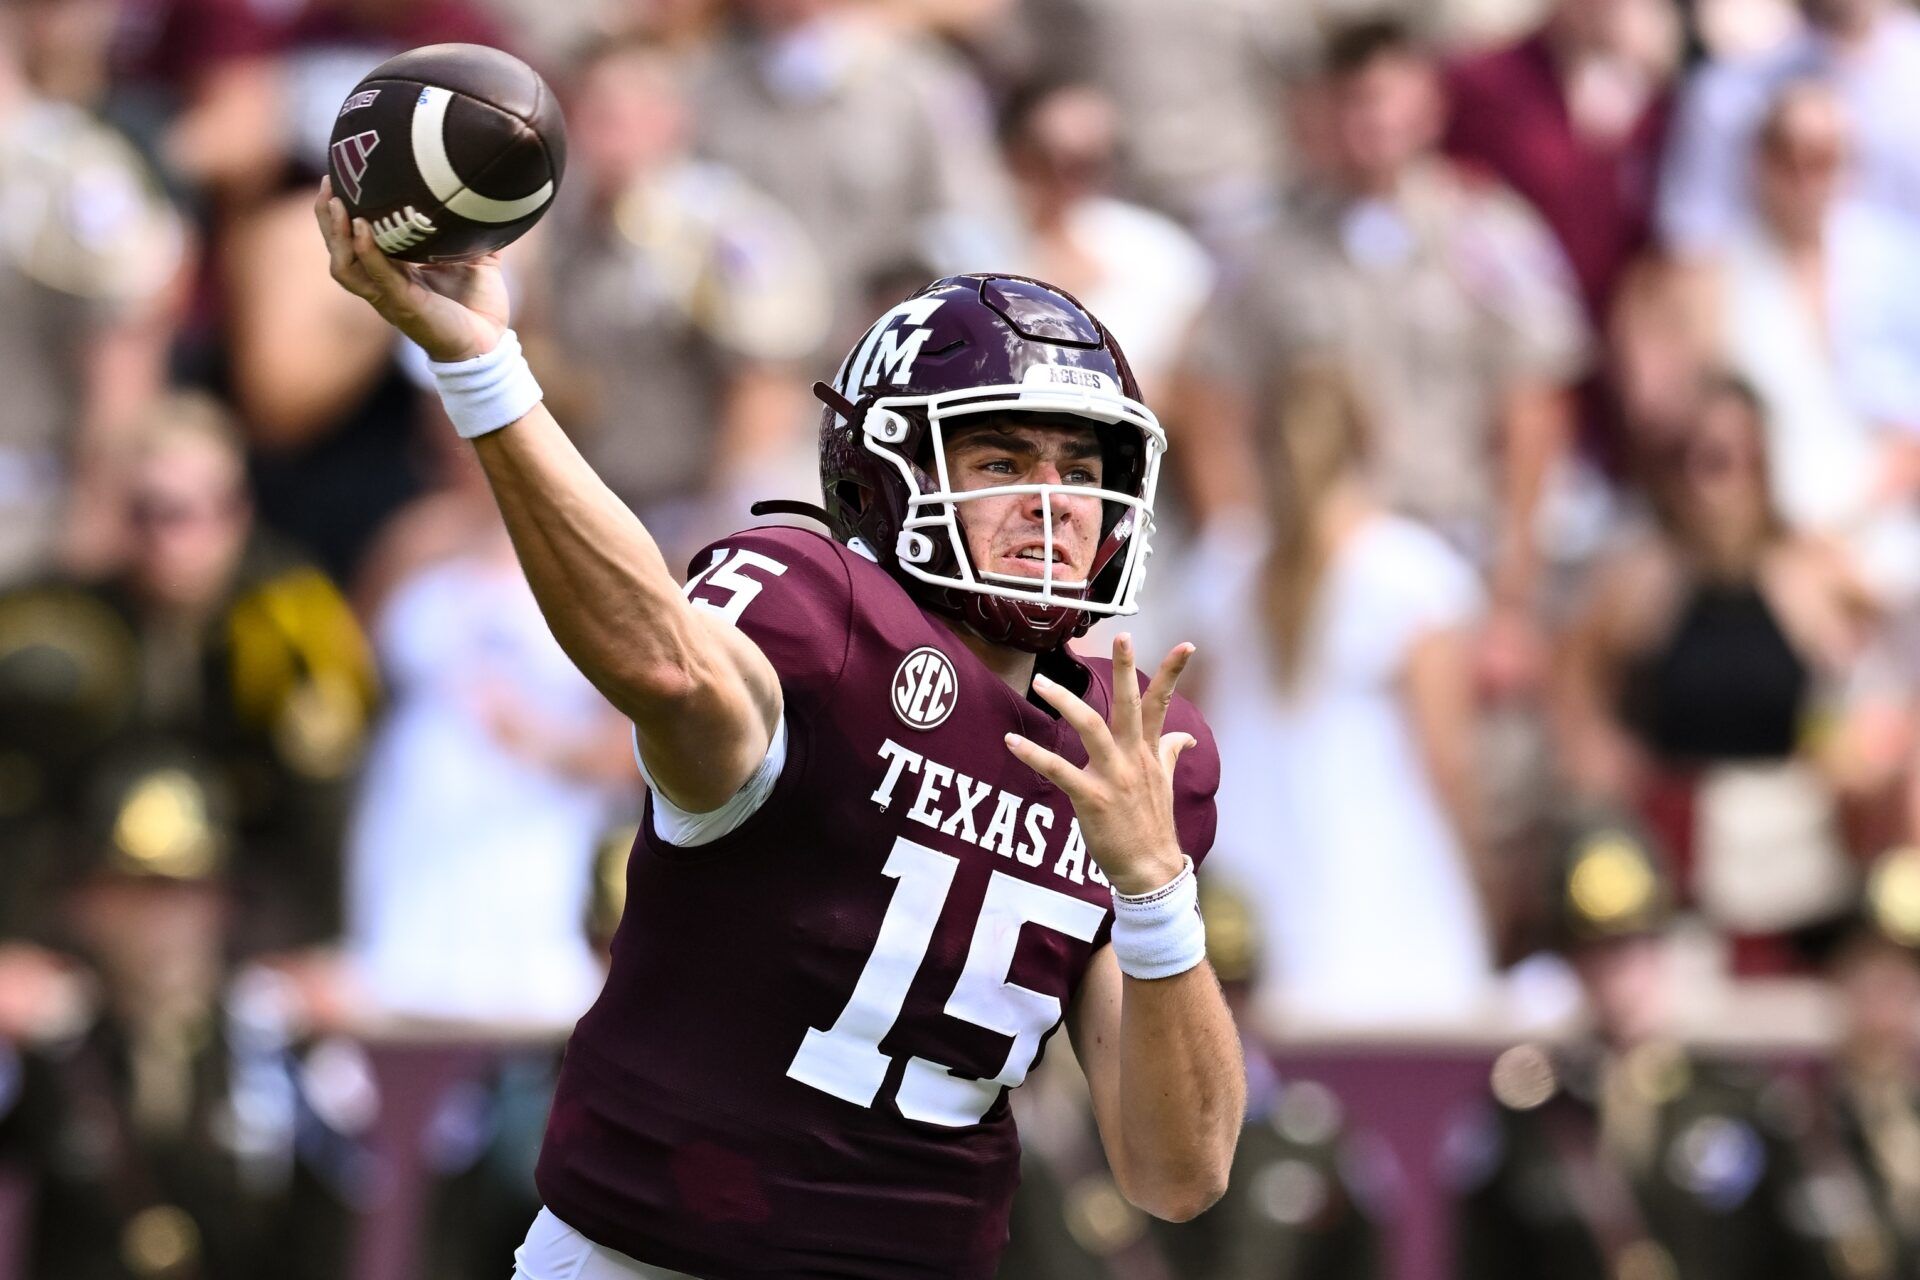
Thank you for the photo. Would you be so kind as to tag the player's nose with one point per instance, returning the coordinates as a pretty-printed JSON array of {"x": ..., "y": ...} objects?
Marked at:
[{"x": 1038, "y": 503}]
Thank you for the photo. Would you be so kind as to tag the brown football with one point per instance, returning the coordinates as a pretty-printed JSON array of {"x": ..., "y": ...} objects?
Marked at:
[{"x": 450, "y": 150}]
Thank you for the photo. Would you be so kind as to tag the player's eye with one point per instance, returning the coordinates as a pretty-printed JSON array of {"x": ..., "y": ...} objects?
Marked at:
[{"x": 1081, "y": 475}]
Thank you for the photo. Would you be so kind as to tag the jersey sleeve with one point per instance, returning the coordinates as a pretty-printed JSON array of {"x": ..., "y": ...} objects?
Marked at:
[{"x": 787, "y": 590}]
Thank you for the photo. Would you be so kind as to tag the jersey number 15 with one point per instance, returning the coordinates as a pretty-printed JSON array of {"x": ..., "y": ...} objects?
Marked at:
[{"x": 845, "y": 1060}]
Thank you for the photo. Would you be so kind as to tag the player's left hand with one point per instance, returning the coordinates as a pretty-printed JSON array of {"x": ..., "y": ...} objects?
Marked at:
[{"x": 1124, "y": 796}]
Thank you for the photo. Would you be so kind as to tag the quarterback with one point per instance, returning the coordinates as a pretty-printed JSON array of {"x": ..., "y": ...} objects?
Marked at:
[{"x": 897, "y": 834}]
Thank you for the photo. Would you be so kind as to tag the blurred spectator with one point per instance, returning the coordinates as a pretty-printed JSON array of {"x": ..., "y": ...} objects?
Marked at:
[
  {"x": 1867, "y": 50},
  {"x": 1144, "y": 276},
  {"x": 1813, "y": 301},
  {"x": 679, "y": 302},
  {"x": 1734, "y": 30},
  {"x": 269, "y": 78},
  {"x": 321, "y": 387},
  {"x": 212, "y": 637},
  {"x": 1693, "y": 674},
  {"x": 1449, "y": 306},
  {"x": 1297, "y": 1205},
  {"x": 89, "y": 252},
  {"x": 879, "y": 142},
  {"x": 1199, "y": 88},
  {"x": 1339, "y": 638},
  {"x": 484, "y": 1144},
  {"x": 488, "y": 784},
  {"x": 175, "y": 1130},
  {"x": 332, "y": 419},
  {"x": 1623, "y": 1154},
  {"x": 551, "y": 36},
  {"x": 1862, "y": 1136},
  {"x": 1573, "y": 118}
]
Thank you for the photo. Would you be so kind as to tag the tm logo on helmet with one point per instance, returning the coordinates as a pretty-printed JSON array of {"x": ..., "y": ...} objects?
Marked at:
[
  {"x": 886, "y": 353},
  {"x": 925, "y": 689}
]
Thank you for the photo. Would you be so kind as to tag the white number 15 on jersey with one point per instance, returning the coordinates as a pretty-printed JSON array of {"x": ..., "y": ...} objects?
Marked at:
[{"x": 845, "y": 1060}]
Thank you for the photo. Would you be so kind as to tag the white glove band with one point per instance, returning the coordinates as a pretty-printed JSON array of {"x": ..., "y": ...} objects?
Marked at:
[
  {"x": 488, "y": 392},
  {"x": 1160, "y": 934}
]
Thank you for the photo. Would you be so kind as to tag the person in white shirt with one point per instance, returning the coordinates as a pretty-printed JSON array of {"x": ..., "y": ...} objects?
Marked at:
[
  {"x": 1339, "y": 686},
  {"x": 1140, "y": 271},
  {"x": 1868, "y": 50},
  {"x": 1812, "y": 299},
  {"x": 488, "y": 787}
]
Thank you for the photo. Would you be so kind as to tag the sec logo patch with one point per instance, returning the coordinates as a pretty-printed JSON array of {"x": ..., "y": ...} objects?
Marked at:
[{"x": 925, "y": 689}]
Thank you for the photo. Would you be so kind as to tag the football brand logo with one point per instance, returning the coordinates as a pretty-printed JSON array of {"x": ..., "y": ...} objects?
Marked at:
[
  {"x": 350, "y": 161},
  {"x": 365, "y": 98},
  {"x": 925, "y": 689}
]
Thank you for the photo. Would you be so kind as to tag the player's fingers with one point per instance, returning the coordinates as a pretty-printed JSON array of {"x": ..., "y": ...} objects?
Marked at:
[
  {"x": 386, "y": 275},
  {"x": 1159, "y": 696},
  {"x": 338, "y": 233},
  {"x": 341, "y": 262},
  {"x": 1124, "y": 715},
  {"x": 1085, "y": 720},
  {"x": 1044, "y": 762},
  {"x": 1170, "y": 748}
]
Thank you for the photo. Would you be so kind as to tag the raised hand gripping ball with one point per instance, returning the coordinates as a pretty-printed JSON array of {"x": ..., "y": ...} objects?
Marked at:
[{"x": 450, "y": 151}]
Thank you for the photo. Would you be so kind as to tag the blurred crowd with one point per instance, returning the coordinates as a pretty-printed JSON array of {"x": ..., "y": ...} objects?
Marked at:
[{"x": 1543, "y": 386}]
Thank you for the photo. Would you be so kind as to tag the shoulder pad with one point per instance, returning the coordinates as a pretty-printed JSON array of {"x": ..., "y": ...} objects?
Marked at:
[{"x": 788, "y": 590}]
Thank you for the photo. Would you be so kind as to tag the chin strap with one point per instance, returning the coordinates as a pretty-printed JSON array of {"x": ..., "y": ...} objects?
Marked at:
[
  {"x": 791, "y": 507},
  {"x": 829, "y": 396}
]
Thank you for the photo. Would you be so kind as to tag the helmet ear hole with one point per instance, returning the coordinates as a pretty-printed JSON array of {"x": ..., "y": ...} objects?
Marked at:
[{"x": 851, "y": 495}]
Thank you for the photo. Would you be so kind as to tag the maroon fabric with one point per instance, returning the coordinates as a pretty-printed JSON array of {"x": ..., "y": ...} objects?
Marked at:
[
  {"x": 175, "y": 42},
  {"x": 406, "y": 26},
  {"x": 677, "y": 1135},
  {"x": 1509, "y": 114}
]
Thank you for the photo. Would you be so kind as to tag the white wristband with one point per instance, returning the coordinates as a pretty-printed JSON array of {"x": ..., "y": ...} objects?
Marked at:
[
  {"x": 1160, "y": 934},
  {"x": 487, "y": 392}
]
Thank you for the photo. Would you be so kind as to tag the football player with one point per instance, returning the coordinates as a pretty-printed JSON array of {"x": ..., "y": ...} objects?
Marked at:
[{"x": 896, "y": 832}]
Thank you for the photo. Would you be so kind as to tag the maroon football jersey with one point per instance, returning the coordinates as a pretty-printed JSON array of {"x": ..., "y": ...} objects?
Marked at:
[{"x": 799, "y": 1065}]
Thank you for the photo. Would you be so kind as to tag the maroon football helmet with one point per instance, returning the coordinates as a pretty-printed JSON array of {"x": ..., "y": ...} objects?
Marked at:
[{"x": 986, "y": 344}]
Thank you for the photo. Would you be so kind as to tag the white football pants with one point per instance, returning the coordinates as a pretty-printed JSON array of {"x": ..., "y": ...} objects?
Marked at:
[{"x": 555, "y": 1251}]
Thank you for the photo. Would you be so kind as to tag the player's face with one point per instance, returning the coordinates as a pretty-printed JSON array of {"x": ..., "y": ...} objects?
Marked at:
[{"x": 1007, "y": 534}]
